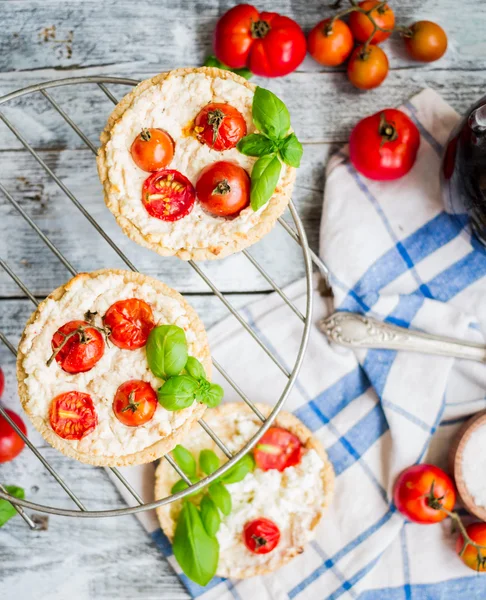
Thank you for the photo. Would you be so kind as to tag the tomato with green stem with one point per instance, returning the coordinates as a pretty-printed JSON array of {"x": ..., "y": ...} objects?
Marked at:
[
  {"x": 330, "y": 42},
  {"x": 220, "y": 126},
  {"x": 261, "y": 535},
  {"x": 223, "y": 189},
  {"x": 425, "y": 41},
  {"x": 367, "y": 67},
  {"x": 362, "y": 26},
  {"x": 472, "y": 557},
  {"x": 77, "y": 346},
  {"x": 135, "y": 403},
  {"x": 152, "y": 149}
]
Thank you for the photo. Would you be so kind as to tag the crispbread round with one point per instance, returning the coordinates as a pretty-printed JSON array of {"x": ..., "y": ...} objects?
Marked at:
[
  {"x": 268, "y": 217},
  {"x": 216, "y": 418},
  {"x": 157, "y": 449}
]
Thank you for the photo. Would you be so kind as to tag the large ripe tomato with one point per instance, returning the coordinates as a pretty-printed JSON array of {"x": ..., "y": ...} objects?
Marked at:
[
  {"x": 77, "y": 346},
  {"x": 72, "y": 415},
  {"x": 330, "y": 46},
  {"x": 367, "y": 68},
  {"x": 220, "y": 126},
  {"x": 152, "y": 149},
  {"x": 168, "y": 195},
  {"x": 135, "y": 403},
  {"x": 261, "y": 536},
  {"x": 223, "y": 188},
  {"x": 421, "y": 490},
  {"x": 277, "y": 449},
  {"x": 11, "y": 444},
  {"x": 477, "y": 532},
  {"x": 269, "y": 44},
  {"x": 130, "y": 322},
  {"x": 384, "y": 146},
  {"x": 427, "y": 41},
  {"x": 362, "y": 27}
]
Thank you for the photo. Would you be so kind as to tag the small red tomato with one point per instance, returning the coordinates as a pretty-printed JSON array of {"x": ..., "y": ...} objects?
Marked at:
[
  {"x": 220, "y": 126},
  {"x": 277, "y": 449},
  {"x": 470, "y": 557},
  {"x": 427, "y": 41},
  {"x": 330, "y": 45},
  {"x": 223, "y": 188},
  {"x": 421, "y": 490},
  {"x": 130, "y": 322},
  {"x": 384, "y": 146},
  {"x": 2, "y": 382},
  {"x": 367, "y": 68},
  {"x": 11, "y": 444},
  {"x": 152, "y": 149},
  {"x": 72, "y": 415},
  {"x": 135, "y": 403},
  {"x": 168, "y": 195},
  {"x": 362, "y": 27},
  {"x": 261, "y": 536},
  {"x": 77, "y": 346}
]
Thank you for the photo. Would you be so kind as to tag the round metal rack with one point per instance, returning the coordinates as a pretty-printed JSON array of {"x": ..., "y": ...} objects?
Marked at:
[{"x": 297, "y": 234}]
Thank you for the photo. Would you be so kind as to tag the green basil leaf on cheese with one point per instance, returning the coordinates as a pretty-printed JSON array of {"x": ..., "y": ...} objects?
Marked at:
[
  {"x": 185, "y": 460},
  {"x": 208, "y": 462},
  {"x": 291, "y": 150},
  {"x": 220, "y": 496},
  {"x": 256, "y": 144},
  {"x": 178, "y": 392},
  {"x": 239, "y": 471},
  {"x": 210, "y": 515},
  {"x": 166, "y": 350},
  {"x": 264, "y": 179},
  {"x": 270, "y": 114},
  {"x": 194, "y": 368},
  {"x": 212, "y": 397}
]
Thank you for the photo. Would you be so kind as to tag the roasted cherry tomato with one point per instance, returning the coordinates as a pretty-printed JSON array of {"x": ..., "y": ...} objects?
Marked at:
[
  {"x": 168, "y": 195},
  {"x": 72, "y": 415},
  {"x": 384, "y": 146},
  {"x": 362, "y": 27},
  {"x": 261, "y": 536},
  {"x": 427, "y": 41},
  {"x": 223, "y": 188},
  {"x": 11, "y": 444},
  {"x": 367, "y": 68},
  {"x": 421, "y": 490},
  {"x": 2, "y": 382},
  {"x": 330, "y": 45},
  {"x": 152, "y": 149},
  {"x": 277, "y": 449},
  {"x": 77, "y": 346},
  {"x": 267, "y": 43},
  {"x": 477, "y": 532},
  {"x": 135, "y": 403},
  {"x": 220, "y": 126},
  {"x": 129, "y": 322}
]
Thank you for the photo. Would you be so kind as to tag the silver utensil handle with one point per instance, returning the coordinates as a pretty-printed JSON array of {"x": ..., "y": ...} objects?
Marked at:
[{"x": 358, "y": 331}]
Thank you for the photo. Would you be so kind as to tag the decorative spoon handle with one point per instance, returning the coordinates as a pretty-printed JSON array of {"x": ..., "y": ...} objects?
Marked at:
[{"x": 356, "y": 331}]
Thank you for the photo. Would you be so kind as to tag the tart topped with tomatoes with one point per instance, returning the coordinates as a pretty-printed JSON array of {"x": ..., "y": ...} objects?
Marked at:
[
  {"x": 175, "y": 174},
  {"x": 85, "y": 378}
]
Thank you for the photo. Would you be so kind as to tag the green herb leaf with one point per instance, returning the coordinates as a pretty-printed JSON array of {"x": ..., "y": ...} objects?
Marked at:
[
  {"x": 195, "y": 550},
  {"x": 212, "y": 61},
  {"x": 213, "y": 396},
  {"x": 291, "y": 150},
  {"x": 166, "y": 350},
  {"x": 270, "y": 114},
  {"x": 7, "y": 511},
  {"x": 264, "y": 179},
  {"x": 178, "y": 392},
  {"x": 210, "y": 516},
  {"x": 221, "y": 497},
  {"x": 185, "y": 460},
  {"x": 195, "y": 368},
  {"x": 208, "y": 461},
  {"x": 179, "y": 486},
  {"x": 239, "y": 471},
  {"x": 256, "y": 144}
]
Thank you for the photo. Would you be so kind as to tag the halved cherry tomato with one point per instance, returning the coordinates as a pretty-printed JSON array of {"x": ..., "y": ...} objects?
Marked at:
[
  {"x": 277, "y": 449},
  {"x": 223, "y": 188},
  {"x": 330, "y": 46},
  {"x": 11, "y": 444},
  {"x": 220, "y": 126},
  {"x": 152, "y": 149},
  {"x": 168, "y": 195},
  {"x": 261, "y": 536},
  {"x": 361, "y": 26},
  {"x": 367, "y": 69},
  {"x": 135, "y": 403},
  {"x": 72, "y": 415},
  {"x": 77, "y": 346},
  {"x": 477, "y": 532},
  {"x": 130, "y": 322},
  {"x": 427, "y": 42}
]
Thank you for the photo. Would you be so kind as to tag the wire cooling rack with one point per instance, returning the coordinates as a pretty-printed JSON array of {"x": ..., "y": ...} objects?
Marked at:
[{"x": 297, "y": 235}]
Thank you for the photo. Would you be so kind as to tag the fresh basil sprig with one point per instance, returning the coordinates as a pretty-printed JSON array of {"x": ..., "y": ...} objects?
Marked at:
[
  {"x": 212, "y": 61},
  {"x": 7, "y": 511},
  {"x": 166, "y": 350},
  {"x": 272, "y": 145}
]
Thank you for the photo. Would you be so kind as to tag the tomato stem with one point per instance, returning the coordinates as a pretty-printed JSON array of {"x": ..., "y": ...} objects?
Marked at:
[
  {"x": 387, "y": 132},
  {"x": 223, "y": 187},
  {"x": 145, "y": 135},
  {"x": 215, "y": 118},
  {"x": 259, "y": 29},
  {"x": 83, "y": 338}
]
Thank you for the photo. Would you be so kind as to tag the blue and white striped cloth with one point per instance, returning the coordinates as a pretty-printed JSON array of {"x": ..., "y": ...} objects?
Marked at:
[{"x": 394, "y": 253}]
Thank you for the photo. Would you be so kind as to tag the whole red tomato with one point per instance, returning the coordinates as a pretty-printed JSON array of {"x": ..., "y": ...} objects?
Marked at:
[
  {"x": 261, "y": 536},
  {"x": 135, "y": 403},
  {"x": 223, "y": 188},
  {"x": 384, "y": 146},
  {"x": 362, "y": 27},
  {"x": 269, "y": 44},
  {"x": 470, "y": 557},
  {"x": 426, "y": 42},
  {"x": 130, "y": 322},
  {"x": 330, "y": 45},
  {"x": 11, "y": 444},
  {"x": 77, "y": 346},
  {"x": 420, "y": 491},
  {"x": 367, "y": 67},
  {"x": 220, "y": 126}
]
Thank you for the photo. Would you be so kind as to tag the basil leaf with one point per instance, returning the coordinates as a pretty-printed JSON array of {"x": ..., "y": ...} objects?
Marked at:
[
  {"x": 264, "y": 179},
  {"x": 185, "y": 460},
  {"x": 212, "y": 61},
  {"x": 255, "y": 144},
  {"x": 209, "y": 516},
  {"x": 291, "y": 150},
  {"x": 239, "y": 471},
  {"x": 203, "y": 389},
  {"x": 166, "y": 350},
  {"x": 178, "y": 392},
  {"x": 195, "y": 368},
  {"x": 213, "y": 396},
  {"x": 220, "y": 496},
  {"x": 270, "y": 114},
  {"x": 182, "y": 485},
  {"x": 196, "y": 552},
  {"x": 208, "y": 461},
  {"x": 7, "y": 511}
]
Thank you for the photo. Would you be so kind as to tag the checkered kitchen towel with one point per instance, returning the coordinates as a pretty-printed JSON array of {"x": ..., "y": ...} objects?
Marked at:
[{"x": 394, "y": 253}]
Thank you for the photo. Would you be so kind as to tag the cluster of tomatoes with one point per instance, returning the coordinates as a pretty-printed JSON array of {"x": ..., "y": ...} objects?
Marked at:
[
  {"x": 11, "y": 444},
  {"x": 223, "y": 188}
]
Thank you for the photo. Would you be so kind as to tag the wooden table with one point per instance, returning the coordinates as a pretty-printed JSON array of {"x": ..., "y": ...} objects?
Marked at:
[{"x": 39, "y": 41}]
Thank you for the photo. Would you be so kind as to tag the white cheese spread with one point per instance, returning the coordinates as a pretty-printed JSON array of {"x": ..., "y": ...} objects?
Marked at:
[{"x": 474, "y": 466}]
